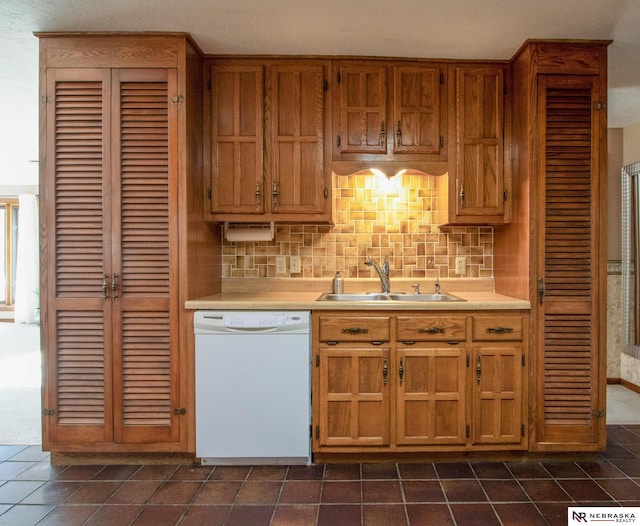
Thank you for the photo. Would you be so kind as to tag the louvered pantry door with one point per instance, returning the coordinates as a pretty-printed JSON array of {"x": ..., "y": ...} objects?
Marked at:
[
  {"x": 76, "y": 257},
  {"x": 144, "y": 210},
  {"x": 569, "y": 370}
]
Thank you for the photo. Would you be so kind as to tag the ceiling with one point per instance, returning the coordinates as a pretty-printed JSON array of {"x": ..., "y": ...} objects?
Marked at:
[{"x": 457, "y": 29}]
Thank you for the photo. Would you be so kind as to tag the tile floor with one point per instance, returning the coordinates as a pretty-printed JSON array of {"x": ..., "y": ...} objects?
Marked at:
[{"x": 32, "y": 491}]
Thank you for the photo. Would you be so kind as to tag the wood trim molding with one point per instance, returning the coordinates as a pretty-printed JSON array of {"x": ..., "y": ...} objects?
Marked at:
[{"x": 624, "y": 383}]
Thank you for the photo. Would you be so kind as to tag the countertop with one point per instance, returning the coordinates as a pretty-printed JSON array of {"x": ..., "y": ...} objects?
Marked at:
[{"x": 288, "y": 300}]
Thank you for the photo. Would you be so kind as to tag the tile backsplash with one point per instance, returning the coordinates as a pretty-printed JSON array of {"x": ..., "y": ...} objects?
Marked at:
[{"x": 373, "y": 216}]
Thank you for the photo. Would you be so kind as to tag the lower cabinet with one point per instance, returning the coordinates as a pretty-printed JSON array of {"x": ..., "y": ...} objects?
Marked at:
[{"x": 410, "y": 382}]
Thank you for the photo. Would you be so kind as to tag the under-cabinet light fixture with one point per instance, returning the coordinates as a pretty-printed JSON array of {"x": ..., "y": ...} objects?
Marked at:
[{"x": 379, "y": 172}]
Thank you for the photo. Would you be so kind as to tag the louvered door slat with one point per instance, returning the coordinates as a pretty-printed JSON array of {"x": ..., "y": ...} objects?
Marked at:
[
  {"x": 569, "y": 367},
  {"x": 145, "y": 386}
]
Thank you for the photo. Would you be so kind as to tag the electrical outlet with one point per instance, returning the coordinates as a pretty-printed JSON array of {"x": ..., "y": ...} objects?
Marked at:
[
  {"x": 294, "y": 264},
  {"x": 461, "y": 265},
  {"x": 281, "y": 264}
]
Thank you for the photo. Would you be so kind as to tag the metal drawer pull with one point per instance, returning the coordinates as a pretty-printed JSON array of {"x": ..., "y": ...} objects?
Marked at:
[
  {"x": 499, "y": 330},
  {"x": 385, "y": 371},
  {"x": 432, "y": 330},
  {"x": 355, "y": 330}
]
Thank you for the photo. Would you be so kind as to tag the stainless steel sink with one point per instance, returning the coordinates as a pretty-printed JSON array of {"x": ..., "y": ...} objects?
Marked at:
[
  {"x": 393, "y": 296},
  {"x": 441, "y": 296}
]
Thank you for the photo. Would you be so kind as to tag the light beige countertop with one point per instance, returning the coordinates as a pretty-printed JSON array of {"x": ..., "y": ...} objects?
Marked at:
[{"x": 274, "y": 294}]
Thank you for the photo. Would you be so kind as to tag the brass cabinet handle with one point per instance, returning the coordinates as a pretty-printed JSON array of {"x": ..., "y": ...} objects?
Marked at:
[
  {"x": 499, "y": 330},
  {"x": 355, "y": 330},
  {"x": 432, "y": 330},
  {"x": 399, "y": 134},
  {"x": 114, "y": 287},
  {"x": 105, "y": 286},
  {"x": 258, "y": 194},
  {"x": 478, "y": 371},
  {"x": 274, "y": 192},
  {"x": 385, "y": 371},
  {"x": 461, "y": 196},
  {"x": 382, "y": 133},
  {"x": 401, "y": 370}
]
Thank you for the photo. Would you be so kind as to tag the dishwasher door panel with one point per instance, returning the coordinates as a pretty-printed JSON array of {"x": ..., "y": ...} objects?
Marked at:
[{"x": 253, "y": 398}]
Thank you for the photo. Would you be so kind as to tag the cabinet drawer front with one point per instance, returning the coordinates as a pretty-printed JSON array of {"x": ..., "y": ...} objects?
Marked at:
[
  {"x": 432, "y": 328},
  {"x": 354, "y": 328},
  {"x": 496, "y": 328}
]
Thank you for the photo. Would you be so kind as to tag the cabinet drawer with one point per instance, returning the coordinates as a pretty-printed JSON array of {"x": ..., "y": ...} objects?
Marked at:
[
  {"x": 355, "y": 328},
  {"x": 497, "y": 328},
  {"x": 432, "y": 328}
]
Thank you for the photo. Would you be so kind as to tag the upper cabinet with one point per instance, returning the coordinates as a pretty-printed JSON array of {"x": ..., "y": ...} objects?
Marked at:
[
  {"x": 266, "y": 124},
  {"x": 389, "y": 111},
  {"x": 477, "y": 188}
]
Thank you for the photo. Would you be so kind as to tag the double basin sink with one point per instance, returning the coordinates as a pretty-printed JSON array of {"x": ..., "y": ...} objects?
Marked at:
[{"x": 391, "y": 296}]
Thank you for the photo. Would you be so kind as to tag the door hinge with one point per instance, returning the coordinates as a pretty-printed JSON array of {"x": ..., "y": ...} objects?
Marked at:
[
  {"x": 179, "y": 411},
  {"x": 468, "y": 431},
  {"x": 598, "y": 413},
  {"x": 338, "y": 141},
  {"x": 208, "y": 84},
  {"x": 317, "y": 431},
  {"x": 326, "y": 192},
  {"x": 441, "y": 141},
  {"x": 48, "y": 412},
  {"x": 338, "y": 78},
  {"x": 504, "y": 195},
  {"x": 504, "y": 88},
  {"x": 468, "y": 360},
  {"x": 325, "y": 85},
  {"x": 599, "y": 105},
  {"x": 441, "y": 78},
  {"x": 317, "y": 360},
  {"x": 209, "y": 193},
  {"x": 522, "y": 430},
  {"x": 44, "y": 98},
  {"x": 177, "y": 98},
  {"x": 523, "y": 360}
]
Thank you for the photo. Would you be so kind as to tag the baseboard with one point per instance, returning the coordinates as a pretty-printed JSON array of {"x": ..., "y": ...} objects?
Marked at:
[{"x": 624, "y": 383}]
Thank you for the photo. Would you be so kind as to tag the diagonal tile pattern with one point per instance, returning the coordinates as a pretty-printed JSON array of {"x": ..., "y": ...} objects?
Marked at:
[{"x": 457, "y": 493}]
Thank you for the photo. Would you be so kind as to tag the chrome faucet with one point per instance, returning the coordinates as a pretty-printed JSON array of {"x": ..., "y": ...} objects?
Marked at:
[{"x": 382, "y": 272}]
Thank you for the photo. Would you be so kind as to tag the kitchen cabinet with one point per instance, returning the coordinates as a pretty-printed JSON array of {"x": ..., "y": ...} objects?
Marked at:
[
  {"x": 476, "y": 190},
  {"x": 389, "y": 111},
  {"x": 114, "y": 116},
  {"x": 265, "y": 122},
  {"x": 353, "y": 388},
  {"x": 499, "y": 361},
  {"x": 415, "y": 382},
  {"x": 559, "y": 241}
]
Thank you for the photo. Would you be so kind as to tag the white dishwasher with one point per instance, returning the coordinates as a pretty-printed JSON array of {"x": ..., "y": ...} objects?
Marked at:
[{"x": 253, "y": 392}]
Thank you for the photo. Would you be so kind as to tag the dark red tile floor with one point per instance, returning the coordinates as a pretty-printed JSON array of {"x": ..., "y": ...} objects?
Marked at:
[{"x": 464, "y": 493}]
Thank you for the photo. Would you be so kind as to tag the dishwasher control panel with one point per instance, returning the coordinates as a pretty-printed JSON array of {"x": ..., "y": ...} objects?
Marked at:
[{"x": 251, "y": 321}]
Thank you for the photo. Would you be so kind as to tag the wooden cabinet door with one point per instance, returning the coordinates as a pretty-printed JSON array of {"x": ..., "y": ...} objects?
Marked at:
[
  {"x": 418, "y": 112},
  {"x": 430, "y": 394},
  {"x": 476, "y": 186},
  {"x": 354, "y": 396},
  {"x": 143, "y": 211},
  {"x": 497, "y": 394},
  {"x": 295, "y": 138},
  {"x": 361, "y": 116},
  {"x": 571, "y": 229},
  {"x": 234, "y": 124},
  {"x": 76, "y": 258}
]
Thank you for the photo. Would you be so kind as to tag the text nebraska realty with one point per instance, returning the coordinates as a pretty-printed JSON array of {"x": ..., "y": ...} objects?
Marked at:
[{"x": 617, "y": 517}]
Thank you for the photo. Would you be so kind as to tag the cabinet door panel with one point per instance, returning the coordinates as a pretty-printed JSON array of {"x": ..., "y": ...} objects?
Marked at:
[
  {"x": 431, "y": 396},
  {"x": 362, "y": 109},
  {"x": 77, "y": 236},
  {"x": 417, "y": 106},
  {"x": 354, "y": 397},
  {"x": 144, "y": 181},
  {"x": 295, "y": 134},
  {"x": 235, "y": 124},
  {"x": 497, "y": 400}
]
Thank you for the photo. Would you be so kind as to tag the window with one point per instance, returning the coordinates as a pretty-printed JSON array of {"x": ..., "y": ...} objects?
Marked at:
[{"x": 8, "y": 246}]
